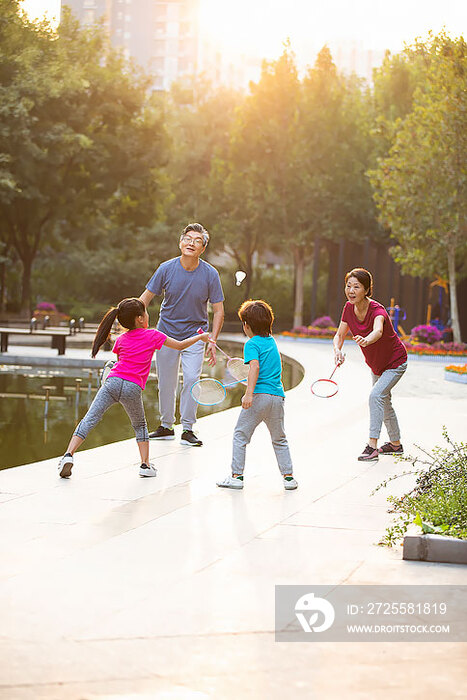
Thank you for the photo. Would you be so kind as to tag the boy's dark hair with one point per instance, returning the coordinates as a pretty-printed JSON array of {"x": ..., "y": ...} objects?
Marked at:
[
  {"x": 126, "y": 313},
  {"x": 259, "y": 316},
  {"x": 364, "y": 277}
]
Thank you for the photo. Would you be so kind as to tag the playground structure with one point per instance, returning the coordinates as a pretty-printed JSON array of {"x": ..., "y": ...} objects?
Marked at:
[
  {"x": 442, "y": 285},
  {"x": 396, "y": 314}
]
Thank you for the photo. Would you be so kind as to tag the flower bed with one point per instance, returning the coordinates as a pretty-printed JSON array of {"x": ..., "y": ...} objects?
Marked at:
[
  {"x": 311, "y": 332},
  {"x": 456, "y": 373},
  {"x": 440, "y": 348}
]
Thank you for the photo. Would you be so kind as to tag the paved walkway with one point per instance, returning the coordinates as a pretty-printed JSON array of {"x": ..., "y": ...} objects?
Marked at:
[{"x": 113, "y": 586}]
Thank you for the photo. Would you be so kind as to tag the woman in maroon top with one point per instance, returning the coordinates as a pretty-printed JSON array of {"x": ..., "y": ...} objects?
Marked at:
[{"x": 384, "y": 353}]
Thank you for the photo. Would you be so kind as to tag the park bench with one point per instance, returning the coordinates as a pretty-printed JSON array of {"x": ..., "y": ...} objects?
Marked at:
[{"x": 58, "y": 336}]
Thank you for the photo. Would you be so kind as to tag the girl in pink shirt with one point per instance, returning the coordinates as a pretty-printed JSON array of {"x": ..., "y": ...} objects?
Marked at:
[
  {"x": 384, "y": 353},
  {"x": 127, "y": 379}
]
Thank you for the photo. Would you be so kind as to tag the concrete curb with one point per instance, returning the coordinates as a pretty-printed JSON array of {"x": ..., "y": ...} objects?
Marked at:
[
  {"x": 56, "y": 361},
  {"x": 438, "y": 548}
]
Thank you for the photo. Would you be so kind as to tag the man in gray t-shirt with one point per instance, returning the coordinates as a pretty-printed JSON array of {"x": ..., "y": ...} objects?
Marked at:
[{"x": 188, "y": 283}]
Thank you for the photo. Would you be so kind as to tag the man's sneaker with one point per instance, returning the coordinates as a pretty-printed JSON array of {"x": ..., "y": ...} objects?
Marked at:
[
  {"x": 389, "y": 449},
  {"x": 162, "y": 433},
  {"x": 189, "y": 438},
  {"x": 65, "y": 466},
  {"x": 147, "y": 470},
  {"x": 290, "y": 483},
  {"x": 369, "y": 454},
  {"x": 231, "y": 482}
]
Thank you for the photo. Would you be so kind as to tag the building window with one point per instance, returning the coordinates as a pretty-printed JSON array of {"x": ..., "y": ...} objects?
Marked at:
[
  {"x": 172, "y": 12},
  {"x": 160, "y": 11},
  {"x": 158, "y": 63},
  {"x": 160, "y": 47},
  {"x": 183, "y": 64},
  {"x": 88, "y": 16},
  {"x": 161, "y": 28},
  {"x": 172, "y": 47},
  {"x": 159, "y": 82},
  {"x": 127, "y": 35},
  {"x": 89, "y": 3},
  {"x": 127, "y": 18}
]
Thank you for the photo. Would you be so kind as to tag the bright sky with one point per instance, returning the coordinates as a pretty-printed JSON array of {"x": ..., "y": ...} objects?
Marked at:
[{"x": 259, "y": 27}]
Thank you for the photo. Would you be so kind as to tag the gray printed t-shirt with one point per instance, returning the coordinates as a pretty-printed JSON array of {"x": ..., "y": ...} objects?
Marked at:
[{"x": 186, "y": 294}]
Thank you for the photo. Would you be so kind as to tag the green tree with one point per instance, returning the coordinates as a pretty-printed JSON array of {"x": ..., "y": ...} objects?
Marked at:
[
  {"x": 421, "y": 186},
  {"x": 82, "y": 141}
]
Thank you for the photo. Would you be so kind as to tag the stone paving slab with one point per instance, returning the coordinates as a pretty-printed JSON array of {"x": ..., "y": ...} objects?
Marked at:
[{"x": 112, "y": 586}]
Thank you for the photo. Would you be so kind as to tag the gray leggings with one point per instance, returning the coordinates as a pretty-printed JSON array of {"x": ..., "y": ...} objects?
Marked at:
[
  {"x": 380, "y": 403},
  {"x": 116, "y": 390},
  {"x": 270, "y": 409}
]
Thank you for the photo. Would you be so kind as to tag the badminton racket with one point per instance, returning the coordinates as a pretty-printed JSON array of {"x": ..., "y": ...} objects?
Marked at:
[
  {"x": 235, "y": 365},
  {"x": 110, "y": 364},
  {"x": 209, "y": 392},
  {"x": 325, "y": 388}
]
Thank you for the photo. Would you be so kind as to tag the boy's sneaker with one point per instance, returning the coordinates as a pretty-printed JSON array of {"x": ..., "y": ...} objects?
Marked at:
[
  {"x": 162, "y": 433},
  {"x": 189, "y": 438},
  {"x": 369, "y": 454},
  {"x": 389, "y": 449},
  {"x": 290, "y": 483},
  {"x": 147, "y": 469},
  {"x": 65, "y": 466},
  {"x": 231, "y": 482}
]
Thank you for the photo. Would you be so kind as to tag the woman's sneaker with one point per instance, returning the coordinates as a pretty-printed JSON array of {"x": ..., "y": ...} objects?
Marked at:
[
  {"x": 147, "y": 470},
  {"x": 389, "y": 449},
  {"x": 231, "y": 482},
  {"x": 65, "y": 466},
  {"x": 290, "y": 483},
  {"x": 369, "y": 454}
]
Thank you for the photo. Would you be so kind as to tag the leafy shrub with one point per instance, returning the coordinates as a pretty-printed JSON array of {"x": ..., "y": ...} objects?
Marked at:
[
  {"x": 438, "y": 501},
  {"x": 426, "y": 334}
]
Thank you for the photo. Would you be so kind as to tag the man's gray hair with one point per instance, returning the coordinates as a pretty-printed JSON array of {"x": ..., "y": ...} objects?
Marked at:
[{"x": 196, "y": 228}]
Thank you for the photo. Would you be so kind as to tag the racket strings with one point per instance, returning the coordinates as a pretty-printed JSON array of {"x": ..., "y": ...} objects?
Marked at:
[
  {"x": 237, "y": 368},
  {"x": 208, "y": 392},
  {"x": 324, "y": 388}
]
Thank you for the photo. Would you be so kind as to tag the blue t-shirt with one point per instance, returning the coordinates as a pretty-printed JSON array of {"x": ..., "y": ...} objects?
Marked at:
[
  {"x": 186, "y": 294},
  {"x": 264, "y": 349}
]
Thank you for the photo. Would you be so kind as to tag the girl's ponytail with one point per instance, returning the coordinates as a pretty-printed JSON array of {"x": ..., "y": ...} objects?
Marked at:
[{"x": 103, "y": 331}]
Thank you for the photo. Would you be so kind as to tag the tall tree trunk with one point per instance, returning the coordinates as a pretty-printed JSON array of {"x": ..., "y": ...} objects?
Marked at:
[
  {"x": 456, "y": 329},
  {"x": 26, "y": 288},
  {"x": 299, "y": 267},
  {"x": 314, "y": 289}
]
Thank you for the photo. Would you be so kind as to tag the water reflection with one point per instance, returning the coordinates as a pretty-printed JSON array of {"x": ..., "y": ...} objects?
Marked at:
[{"x": 40, "y": 407}]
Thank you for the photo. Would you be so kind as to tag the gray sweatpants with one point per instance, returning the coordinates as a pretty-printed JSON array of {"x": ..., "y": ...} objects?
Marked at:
[
  {"x": 168, "y": 363},
  {"x": 380, "y": 403},
  {"x": 116, "y": 390},
  {"x": 270, "y": 409}
]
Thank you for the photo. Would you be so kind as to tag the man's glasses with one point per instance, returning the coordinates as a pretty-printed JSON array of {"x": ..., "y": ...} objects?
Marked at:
[{"x": 195, "y": 241}]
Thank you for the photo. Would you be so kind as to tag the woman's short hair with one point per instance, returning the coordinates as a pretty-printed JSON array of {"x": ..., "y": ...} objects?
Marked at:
[
  {"x": 197, "y": 228},
  {"x": 259, "y": 316},
  {"x": 364, "y": 277}
]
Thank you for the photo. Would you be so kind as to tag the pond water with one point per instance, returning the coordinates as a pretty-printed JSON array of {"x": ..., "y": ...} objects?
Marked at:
[{"x": 28, "y": 435}]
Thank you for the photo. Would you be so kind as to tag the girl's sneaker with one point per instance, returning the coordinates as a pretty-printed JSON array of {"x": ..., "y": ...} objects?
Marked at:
[
  {"x": 65, "y": 466},
  {"x": 147, "y": 470},
  {"x": 231, "y": 482},
  {"x": 369, "y": 454},
  {"x": 290, "y": 483},
  {"x": 389, "y": 449}
]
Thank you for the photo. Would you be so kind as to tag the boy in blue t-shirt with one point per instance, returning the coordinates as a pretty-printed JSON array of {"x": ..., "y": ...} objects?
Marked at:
[{"x": 264, "y": 396}]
